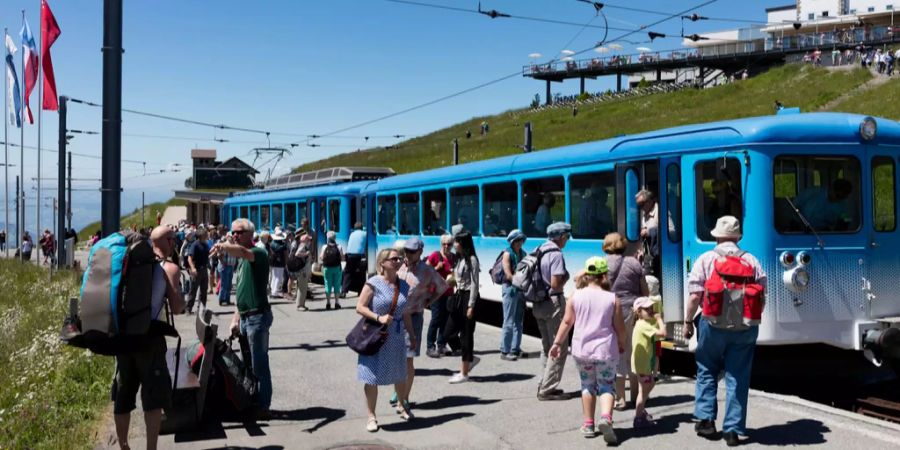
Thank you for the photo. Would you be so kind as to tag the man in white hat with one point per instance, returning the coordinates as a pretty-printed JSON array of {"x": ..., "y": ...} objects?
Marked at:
[
  {"x": 715, "y": 341},
  {"x": 278, "y": 258}
]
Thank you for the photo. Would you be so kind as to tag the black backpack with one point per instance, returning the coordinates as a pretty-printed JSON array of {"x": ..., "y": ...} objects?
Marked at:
[
  {"x": 332, "y": 255},
  {"x": 294, "y": 262},
  {"x": 278, "y": 254}
]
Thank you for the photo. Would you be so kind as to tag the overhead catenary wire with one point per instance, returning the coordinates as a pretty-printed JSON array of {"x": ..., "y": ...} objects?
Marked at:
[{"x": 663, "y": 13}]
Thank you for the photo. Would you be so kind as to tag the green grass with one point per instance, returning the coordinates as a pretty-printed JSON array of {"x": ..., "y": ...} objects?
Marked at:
[
  {"x": 52, "y": 396},
  {"x": 882, "y": 101},
  {"x": 133, "y": 218},
  {"x": 795, "y": 85}
]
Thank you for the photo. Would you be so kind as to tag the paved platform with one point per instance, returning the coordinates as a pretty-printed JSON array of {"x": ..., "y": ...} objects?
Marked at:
[{"x": 319, "y": 404}]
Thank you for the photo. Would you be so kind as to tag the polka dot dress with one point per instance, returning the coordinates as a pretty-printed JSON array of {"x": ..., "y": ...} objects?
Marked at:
[{"x": 388, "y": 366}]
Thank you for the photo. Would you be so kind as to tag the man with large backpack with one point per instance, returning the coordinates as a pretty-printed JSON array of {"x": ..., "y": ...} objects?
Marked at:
[
  {"x": 549, "y": 307},
  {"x": 147, "y": 369},
  {"x": 731, "y": 285}
]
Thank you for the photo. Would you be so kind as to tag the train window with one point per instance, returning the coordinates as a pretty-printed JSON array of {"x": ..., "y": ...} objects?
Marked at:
[
  {"x": 593, "y": 204},
  {"x": 277, "y": 218},
  {"x": 673, "y": 201},
  {"x": 254, "y": 217},
  {"x": 718, "y": 185},
  {"x": 543, "y": 202},
  {"x": 464, "y": 208},
  {"x": 363, "y": 212},
  {"x": 884, "y": 215},
  {"x": 409, "y": 213},
  {"x": 434, "y": 216},
  {"x": 234, "y": 214},
  {"x": 302, "y": 211},
  {"x": 501, "y": 208},
  {"x": 290, "y": 214},
  {"x": 825, "y": 190},
  {"x": 353, "y": 214},
  {"x": 264, "y": 217},
  {"x": 334, "y": 215},
  {"x": 320, "y": 215},
  {"x": 244, "y": 214},
  {"x": 387, "y": 214},
  {"x": 633, "y": 214}
]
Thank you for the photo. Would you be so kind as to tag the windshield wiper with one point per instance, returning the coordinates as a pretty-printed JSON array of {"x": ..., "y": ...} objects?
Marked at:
[{"x": 806, "y": 222}]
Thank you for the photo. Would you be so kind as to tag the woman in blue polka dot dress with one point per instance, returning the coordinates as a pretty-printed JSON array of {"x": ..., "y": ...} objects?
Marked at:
[{"x": 388, "y": 366}]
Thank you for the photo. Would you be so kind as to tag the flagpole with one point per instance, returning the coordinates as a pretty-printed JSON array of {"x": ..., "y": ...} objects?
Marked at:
[
  {"x": 40, "y": 82},
  {"x": 6, "y": 145},
  {"x": 22, "y": 154}
]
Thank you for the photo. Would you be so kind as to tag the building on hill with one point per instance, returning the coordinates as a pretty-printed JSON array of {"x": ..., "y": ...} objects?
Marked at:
[{"x": 210, "y": 184}]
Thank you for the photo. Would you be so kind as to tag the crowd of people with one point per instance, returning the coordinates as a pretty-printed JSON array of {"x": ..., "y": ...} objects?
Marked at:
[{"x": 614, "y": 314}]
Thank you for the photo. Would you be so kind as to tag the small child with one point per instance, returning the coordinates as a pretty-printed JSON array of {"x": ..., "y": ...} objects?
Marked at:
[
  {"x": 653, "y": 287},
  {"x": 643, "y": 356},
  {"x": 598, "y": 340}
]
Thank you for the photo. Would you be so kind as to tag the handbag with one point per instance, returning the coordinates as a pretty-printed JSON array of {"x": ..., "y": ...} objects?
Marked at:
[{"x": 367, "y": 336}]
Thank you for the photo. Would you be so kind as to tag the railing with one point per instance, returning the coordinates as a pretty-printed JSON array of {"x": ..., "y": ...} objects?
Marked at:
[{"x": 772, "y": 44}]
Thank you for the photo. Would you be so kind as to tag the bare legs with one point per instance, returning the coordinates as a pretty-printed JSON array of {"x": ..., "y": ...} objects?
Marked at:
[
  {"x": 152, "y": 420},
  {"x": 620, "y": 388},
  {"x": 410, "y": 377},
  {"x": 371, "y": 391},
  {"x": 589, "y": 405},
  {"x": 641, "y": 403}
]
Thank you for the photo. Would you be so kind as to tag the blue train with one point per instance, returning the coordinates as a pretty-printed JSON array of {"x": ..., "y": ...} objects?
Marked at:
[{"x": 816, "y": 194}]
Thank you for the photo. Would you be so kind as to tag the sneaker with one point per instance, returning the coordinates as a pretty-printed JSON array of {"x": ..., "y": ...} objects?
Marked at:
[
  {"x": 605, "y": 428},
  {"x": 513, "y": 357},
  {"x": 393, "y": 401},
  {"x": 643, "y": 421},
  {"x": 372, "y": 425},
  {"x": 458, "y": 378},
  {"x": 432, "y": 352},
  {"x": 328, "y": 306},
  {"x": 731, "y": 438},
  {"x": 505, "y": 356},
  {"x": 705, "y": 428},
  {"x": 552, "y": 397},
  {"x": 587, "y": 430},
  {"x": 337, "y": 305}
]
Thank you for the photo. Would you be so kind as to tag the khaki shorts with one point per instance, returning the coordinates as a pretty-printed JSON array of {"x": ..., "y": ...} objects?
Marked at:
[{"x": 147, "y": 370}]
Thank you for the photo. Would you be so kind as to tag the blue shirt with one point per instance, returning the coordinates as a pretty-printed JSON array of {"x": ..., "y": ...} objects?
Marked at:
[{"x": 356, "y": 244}]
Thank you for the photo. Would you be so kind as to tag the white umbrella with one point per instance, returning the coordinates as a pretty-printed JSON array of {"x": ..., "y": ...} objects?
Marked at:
[
  {"x": 644, "y": 49},
  {"x": 601, "y": 49},
  {"x": 615, "y": 46},
  {"x": 534, "y": 55},
  {"x": 567, "y": 58},
  {"x": 567, "y": 52}
]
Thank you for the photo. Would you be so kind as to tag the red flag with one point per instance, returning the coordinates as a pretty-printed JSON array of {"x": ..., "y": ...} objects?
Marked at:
[{"x": 49, "y": 32}]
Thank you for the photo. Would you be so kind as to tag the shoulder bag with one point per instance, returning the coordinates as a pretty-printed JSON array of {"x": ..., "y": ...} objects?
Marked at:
[{"x": 367, "y": 337}]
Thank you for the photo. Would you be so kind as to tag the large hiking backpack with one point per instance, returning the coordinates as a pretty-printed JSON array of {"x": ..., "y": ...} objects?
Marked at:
[
  {"x": 528, "y": 279},
  {"x": 278, "y": 254},
  {"x": 113, "y": 315},
  {"x": 732, "y": 298},
  {"x": 233, "y": 378},
  {"x": 332, "y": 255},
  {"x": 295, "y": 263},
  {"x": 497, "y": 274}
]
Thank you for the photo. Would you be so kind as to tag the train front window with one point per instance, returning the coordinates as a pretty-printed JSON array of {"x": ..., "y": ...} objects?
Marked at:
[
  {"x": 409, "y": 213},
  {"x": 825, "y": 190},
  {"x": 718, "y": 185},
  {"x": 593, "y": 207},
  {"x": 543, "y": 202},
  {"x": 464, "y": 208},
  {"x": 434, "y": 213},
  {"x": 501, "y": 208},
  {"x": 334, "y": 215},
  {"x": 387, "y": 214}
]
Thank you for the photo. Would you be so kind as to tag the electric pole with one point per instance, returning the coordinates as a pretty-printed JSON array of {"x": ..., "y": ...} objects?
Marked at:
[{"x": 111, "y": 195}]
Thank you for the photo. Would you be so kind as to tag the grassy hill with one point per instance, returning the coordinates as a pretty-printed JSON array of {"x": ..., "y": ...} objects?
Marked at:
[
  {"x": 804, "y": 86},
  {"x": 133, "y": 218}
]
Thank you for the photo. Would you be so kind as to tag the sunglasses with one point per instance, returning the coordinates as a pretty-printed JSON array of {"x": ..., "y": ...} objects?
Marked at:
[
  {"x": 238, "y": 232},
  {"x": 395, "y": 259}
]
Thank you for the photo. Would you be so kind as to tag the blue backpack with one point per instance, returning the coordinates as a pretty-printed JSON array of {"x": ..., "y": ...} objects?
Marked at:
[{"x": 113, "y": 314}]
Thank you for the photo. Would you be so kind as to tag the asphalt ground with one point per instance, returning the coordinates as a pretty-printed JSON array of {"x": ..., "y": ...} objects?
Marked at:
[{"x": 318, "y": 403}]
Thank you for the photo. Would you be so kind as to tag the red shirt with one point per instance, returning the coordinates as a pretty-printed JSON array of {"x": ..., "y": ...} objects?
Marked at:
[{"x": 443, "y": 266}]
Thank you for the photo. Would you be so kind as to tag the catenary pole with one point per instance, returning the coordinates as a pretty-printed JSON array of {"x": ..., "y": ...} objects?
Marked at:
[
  {"x": 112, "y": 116},
  {"x": 69, "y": 194},
  {"x": 6, "y": 148},
  {"x": 40, "y": 83},
  {"x": 61, "y": 187},
  {"x": 20, "y": 216}
]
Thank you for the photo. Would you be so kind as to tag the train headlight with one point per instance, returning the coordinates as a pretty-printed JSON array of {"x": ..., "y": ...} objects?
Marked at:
[
  {"x": 868, "y": 129},
  {"x": 796, "y": 279},
  {"x": 787, "y": 259},
  {"x": 804, "y": 258}
]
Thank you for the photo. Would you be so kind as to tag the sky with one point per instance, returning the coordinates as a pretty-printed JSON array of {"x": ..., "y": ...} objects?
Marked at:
[{"x": 303, "y": 67}]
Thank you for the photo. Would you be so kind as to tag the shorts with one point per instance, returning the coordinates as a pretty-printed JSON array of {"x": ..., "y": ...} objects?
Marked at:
[
  {"x": 597, "y": 376},
  {"x": 418, "y": 320},
  {"x": 147, "y": 370}
]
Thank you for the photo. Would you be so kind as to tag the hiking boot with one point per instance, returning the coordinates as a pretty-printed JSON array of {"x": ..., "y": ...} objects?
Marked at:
[
  {"x": 731, "y": 438},
  {"x": 705, "y": 428}
]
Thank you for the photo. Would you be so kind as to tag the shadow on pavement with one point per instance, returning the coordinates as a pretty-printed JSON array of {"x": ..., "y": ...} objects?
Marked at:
[
  {"x": 267, "y": 447},
  {"x": 664, "y": 425},
  {"x": 452, "y": 401},
  {"x": 330, "y": 343},
  {"x": 327, "y": 415},
  {"x": 797, "y": 432},
  {"x": 434, "y": 372},
  {"x": 419, "y": 423},
  {"x": 502, "y": 378},
  {"x": 669, "y": 400}
]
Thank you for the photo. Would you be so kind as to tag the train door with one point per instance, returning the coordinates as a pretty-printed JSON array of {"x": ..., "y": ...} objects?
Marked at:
[
  {"x": 632, "y": 178},
  {"x": 884, "y": 239},
  {"x": 672, "y": 275}
]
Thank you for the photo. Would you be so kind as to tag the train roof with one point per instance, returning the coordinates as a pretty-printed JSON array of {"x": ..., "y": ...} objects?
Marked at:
[
  {"x": 351, "y": 188},
  {"x": 831, "y": 128}
]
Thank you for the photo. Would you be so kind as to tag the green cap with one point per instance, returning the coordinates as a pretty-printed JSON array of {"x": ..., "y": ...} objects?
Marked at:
[{"x": 596, "y": 265}]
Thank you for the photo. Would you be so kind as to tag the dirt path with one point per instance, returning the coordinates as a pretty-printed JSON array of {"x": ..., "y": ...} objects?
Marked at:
[{"x": 877, "y": 80}]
